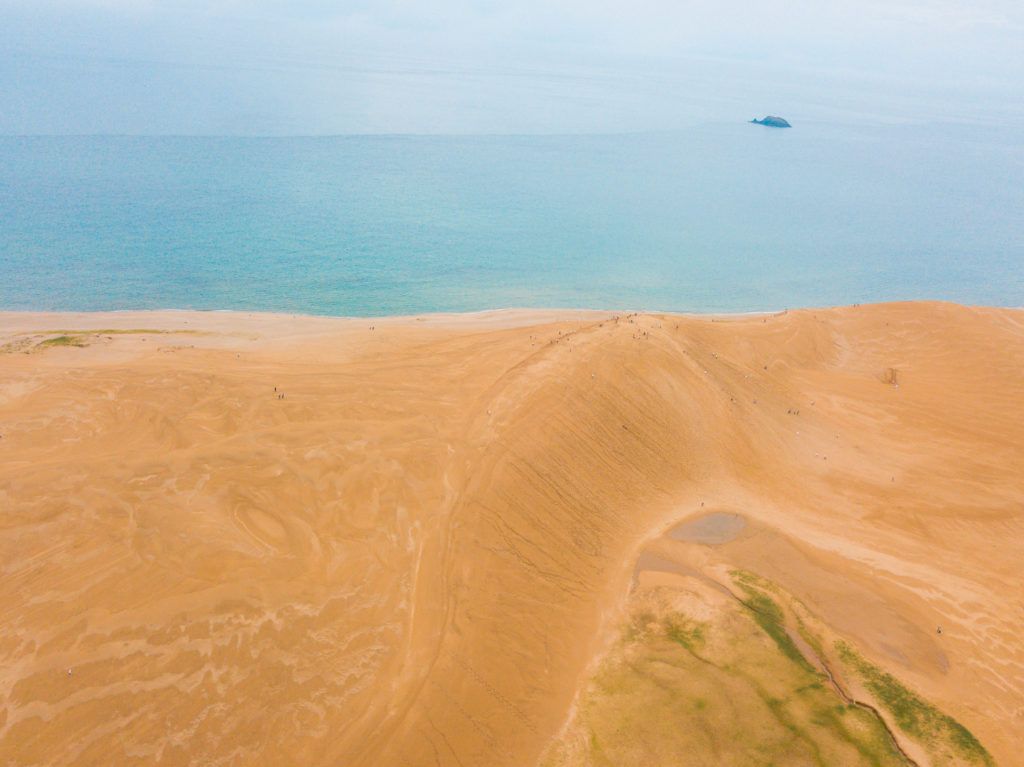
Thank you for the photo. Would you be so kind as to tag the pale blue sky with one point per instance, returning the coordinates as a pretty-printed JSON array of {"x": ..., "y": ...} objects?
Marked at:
[{"x": 317, "y": 67}]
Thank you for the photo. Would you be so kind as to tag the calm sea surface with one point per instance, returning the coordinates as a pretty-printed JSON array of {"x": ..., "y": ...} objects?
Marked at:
[{"x": 717, "y": 218}]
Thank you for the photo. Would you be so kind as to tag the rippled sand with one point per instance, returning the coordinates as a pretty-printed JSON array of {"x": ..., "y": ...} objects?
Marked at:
[{"x": 257, "y": 539}]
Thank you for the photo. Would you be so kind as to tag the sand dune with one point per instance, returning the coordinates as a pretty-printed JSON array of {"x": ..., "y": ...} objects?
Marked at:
[{"x": 233, "y": 539}]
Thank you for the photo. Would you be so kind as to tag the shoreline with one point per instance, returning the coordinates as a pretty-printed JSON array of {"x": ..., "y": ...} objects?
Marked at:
[
  {"x": 515, "y": 315},
  {"x": 220, "y": 328}
]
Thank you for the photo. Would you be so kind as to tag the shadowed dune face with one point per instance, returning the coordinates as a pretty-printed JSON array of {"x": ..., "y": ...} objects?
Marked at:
[{"x": 425, "y": 551}]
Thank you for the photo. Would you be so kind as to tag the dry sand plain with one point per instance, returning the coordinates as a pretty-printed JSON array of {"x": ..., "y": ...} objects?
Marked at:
[{"x": 513, "y": 538}]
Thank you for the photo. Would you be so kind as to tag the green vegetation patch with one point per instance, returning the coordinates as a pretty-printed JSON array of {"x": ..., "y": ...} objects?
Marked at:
[
  {"x": 117, "y": 332},
  {"x": 684, "y": 631},
  {"x": 914, "y": 715},
  {"x": 678, "y": 689},
  {"x": 64, "y": 340},
  {"x": 79, "y": 337},
  {"x": 770, "y": 618}
]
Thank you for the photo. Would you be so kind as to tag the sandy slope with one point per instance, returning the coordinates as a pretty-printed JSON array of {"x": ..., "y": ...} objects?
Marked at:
[{"x": 417, "y": 555}]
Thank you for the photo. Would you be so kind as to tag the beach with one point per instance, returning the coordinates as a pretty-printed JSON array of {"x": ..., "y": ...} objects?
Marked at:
[{"x": 269, "y": 539}]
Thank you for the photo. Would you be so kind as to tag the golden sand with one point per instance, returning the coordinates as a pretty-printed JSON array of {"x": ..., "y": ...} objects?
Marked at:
[{"x": 231, "y": 539}]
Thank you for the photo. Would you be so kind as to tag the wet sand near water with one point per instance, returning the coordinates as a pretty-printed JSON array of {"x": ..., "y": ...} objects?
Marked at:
[{"x": 714, "y": 528}]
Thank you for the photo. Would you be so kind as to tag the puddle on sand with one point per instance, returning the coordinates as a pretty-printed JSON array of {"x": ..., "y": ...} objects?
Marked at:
[{"x": 710, "y": 529}]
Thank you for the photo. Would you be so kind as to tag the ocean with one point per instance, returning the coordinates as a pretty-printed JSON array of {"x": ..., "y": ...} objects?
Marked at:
[{"x": 716, "y": 218}]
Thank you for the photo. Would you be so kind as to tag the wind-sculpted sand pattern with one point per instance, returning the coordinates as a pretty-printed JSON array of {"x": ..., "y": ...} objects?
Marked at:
[{"x": 513, "y": 538}]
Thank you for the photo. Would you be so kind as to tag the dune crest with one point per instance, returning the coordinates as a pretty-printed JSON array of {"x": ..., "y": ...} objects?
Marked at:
[{"x": 256, "y": 539}]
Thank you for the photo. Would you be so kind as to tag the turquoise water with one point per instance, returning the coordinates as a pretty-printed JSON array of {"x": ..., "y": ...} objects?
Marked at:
[{"x": 717, "y": 218}]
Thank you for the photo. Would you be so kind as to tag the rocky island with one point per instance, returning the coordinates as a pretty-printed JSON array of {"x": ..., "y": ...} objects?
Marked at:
[{"x": 773, "y": 122}]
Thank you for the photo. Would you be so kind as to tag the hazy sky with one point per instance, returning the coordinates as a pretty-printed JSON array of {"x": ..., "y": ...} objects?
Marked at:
[{"x": 455, "y": 66}]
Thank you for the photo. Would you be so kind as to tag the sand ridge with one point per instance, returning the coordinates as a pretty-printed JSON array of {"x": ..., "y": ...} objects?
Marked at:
[{"x": 264, "y": 539}]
